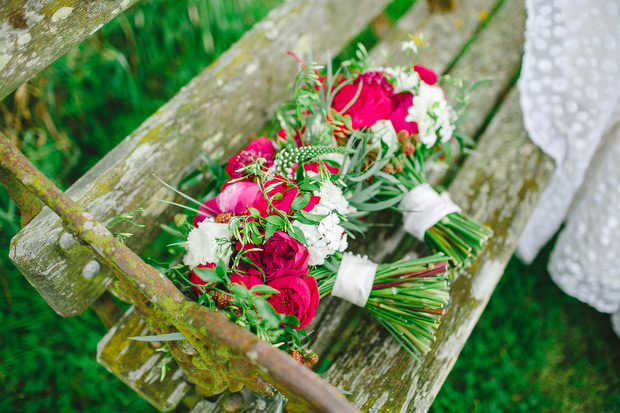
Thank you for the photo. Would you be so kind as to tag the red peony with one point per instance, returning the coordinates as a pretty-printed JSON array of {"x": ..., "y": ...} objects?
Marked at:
[
  {"x": 196, "y": 279},
  {"x": 259, "y": 148},
  {"x": 298, "y": 297},
  {"x": 401, "y": 103},
  {"x": 372, "y": 104},
  {"x": 427, "y": 74},
  {"x": 280, "y": 256}
]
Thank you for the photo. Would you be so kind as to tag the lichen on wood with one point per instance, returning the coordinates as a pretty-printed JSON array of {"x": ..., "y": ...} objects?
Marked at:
[{"x": 33, "y": 34}]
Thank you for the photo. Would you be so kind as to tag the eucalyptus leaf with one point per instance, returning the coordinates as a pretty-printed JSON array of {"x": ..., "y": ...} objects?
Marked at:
[
  {"x": 270, "y": 229},
  {"x": 301, "y": 201},
  {"x": 309, "y": 186},
  {"x": 297, "y": 234},
  {"x": 265, "y": 289},
  {"x": 276, "y": 219},
  {"x": 310, "y": 217},
  {"x": 160, "y": 337},
  {"x": 209, "y": 275},
  {"x": 240, "y": 291}
]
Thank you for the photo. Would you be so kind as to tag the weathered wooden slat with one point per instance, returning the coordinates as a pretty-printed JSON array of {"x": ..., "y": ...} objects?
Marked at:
[
  {"x": 138, "y": 364},
  {"x": 500, "y": 187},
  {"x": 33, "y": 34},
  {"x": 214, "y": 114}
]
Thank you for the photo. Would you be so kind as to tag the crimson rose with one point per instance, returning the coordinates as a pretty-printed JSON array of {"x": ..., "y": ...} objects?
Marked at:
[
  {"x": 372, "y": 104},
  {"x": 298, "y": 297},
  {"x": 280, "y": 256}
]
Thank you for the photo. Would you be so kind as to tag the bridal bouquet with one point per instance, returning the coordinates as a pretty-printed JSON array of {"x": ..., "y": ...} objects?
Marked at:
[
  {"x": 269, "y": 242},
  {"x": 397, "y": 120}
]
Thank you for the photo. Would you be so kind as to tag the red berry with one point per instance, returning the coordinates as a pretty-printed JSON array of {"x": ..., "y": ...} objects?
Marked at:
[
  {"x": 223, "y": 301},
  {"x": 388, "y": 169},
  {"x": 297, "y": 356},
  {"x": 403, "y": 136},
  {"x": 311, "y": 359},
  {"x": 408, "y": 148}
]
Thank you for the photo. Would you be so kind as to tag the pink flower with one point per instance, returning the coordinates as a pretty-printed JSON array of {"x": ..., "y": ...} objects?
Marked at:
[
  {"x": 372, "y": 104},
  {"x": 196, "y": 279},
  {"x": 236, "y": 198},
  {"x": 427, "y": 74},
  {"x": 279, "y": 256},
  {"x": 401, "y": 103},
  {"x": 259, "y": 148},
  {"x": 298, "y": 297}
]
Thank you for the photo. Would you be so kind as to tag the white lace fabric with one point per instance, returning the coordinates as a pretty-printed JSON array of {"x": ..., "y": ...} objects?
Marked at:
[{"x": 570, "y": 89}]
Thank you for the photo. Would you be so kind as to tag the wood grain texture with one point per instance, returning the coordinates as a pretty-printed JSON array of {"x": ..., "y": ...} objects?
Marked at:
[
  {"x": 214, "y": 114},
  {"x": 33, "y": 34}
]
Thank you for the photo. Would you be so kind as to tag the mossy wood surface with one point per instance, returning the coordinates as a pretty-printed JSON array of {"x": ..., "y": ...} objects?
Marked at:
[
  {"x": 214, "y": 114},
  {"x": 140, "y": 363},
  {"x": 35, "y": 33}
]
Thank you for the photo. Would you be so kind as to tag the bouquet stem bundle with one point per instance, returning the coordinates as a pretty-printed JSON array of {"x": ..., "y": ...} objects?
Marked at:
[
  {"x": 407, "y": 298},
  {"x": 458, "y": 237}
]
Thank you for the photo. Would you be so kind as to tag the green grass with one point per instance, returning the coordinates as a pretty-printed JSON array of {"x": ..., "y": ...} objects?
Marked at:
[{"x": 533, "y": 349}]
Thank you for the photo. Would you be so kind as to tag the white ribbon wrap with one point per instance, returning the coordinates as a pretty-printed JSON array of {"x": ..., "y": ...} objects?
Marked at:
[
  {"x": 426, "y": 207},
  {"x": 354, "y": 279}
]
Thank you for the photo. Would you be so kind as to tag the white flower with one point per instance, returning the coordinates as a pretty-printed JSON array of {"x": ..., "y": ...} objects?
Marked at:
[
  {"x": 430, "y": 110},
  {"x": 384, "y": 130},
  {"x": 332, "y": 199},
  {"x": 409, "y": 45},
  {"x": 204, "y": 244},
  {"x": 324, "y": 239},
  {"x": 402, "y": 80}
]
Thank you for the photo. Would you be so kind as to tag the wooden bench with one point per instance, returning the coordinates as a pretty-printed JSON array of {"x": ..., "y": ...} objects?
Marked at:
[{"x": 499, "y": 185}]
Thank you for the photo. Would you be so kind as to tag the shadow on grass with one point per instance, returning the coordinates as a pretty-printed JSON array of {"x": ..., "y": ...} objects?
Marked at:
[{"x": 535, "y": 348}]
